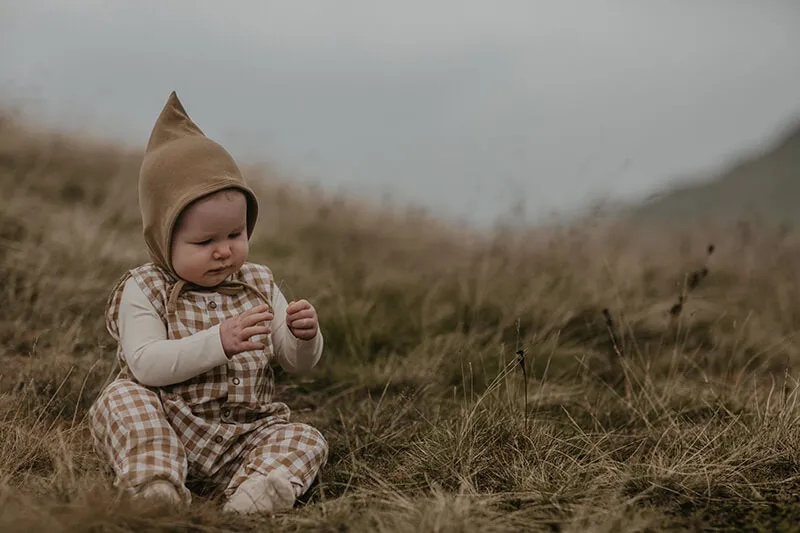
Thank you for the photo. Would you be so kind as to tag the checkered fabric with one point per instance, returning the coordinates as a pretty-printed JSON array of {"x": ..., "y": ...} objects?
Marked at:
[
  {"x": 128, "y": 426},
  {"x": 219, "y": 426},
  {"x": 298, "y": 449}
]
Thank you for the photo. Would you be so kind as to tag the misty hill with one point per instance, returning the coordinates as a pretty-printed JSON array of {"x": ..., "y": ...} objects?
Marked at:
[{"x": 764, "y": 187}]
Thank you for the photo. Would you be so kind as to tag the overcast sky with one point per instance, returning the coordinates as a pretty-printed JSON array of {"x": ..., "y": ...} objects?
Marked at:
[{"x": 463, "y": 106}]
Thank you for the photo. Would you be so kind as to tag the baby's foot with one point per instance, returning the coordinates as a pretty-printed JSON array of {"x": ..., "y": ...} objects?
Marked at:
[
  {"x": 280, "y": 490},
  {"x": 259, "y": 493},
  {"x": 160, "y": 490}
]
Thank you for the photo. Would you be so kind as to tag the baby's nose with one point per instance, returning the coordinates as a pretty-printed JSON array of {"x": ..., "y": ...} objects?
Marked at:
[{"x": 222, "y": 252}]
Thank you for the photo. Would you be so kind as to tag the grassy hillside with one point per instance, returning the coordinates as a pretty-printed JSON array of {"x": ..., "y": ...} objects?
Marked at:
[
  {"x": 763, "y": 187},
  {"x": 657, "y": 388}
]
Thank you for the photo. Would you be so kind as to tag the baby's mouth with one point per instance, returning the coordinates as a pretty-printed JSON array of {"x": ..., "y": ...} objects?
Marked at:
[{"x": 218, "y": 270}]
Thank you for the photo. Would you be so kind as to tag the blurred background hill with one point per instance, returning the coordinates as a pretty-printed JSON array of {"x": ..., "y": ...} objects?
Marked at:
[{"x": 761, "y": 187}]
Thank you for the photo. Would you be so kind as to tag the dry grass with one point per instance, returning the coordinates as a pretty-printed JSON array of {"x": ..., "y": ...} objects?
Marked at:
[{"x": 687, "y": 420}]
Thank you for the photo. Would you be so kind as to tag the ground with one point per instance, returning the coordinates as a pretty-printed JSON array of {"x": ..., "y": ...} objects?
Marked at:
[{"x": 576, "y": 378}]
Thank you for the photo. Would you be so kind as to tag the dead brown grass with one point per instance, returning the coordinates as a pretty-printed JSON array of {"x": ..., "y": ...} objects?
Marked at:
[{"x": 691, "y": 422}]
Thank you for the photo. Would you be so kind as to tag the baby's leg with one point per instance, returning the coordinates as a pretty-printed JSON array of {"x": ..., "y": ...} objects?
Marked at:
[
  {"x": 281, "y": 466},
  {"x": 130, "y": 430}
]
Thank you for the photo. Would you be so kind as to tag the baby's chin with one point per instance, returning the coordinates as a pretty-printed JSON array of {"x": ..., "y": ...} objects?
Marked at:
[{"x": 211, "y": 278}]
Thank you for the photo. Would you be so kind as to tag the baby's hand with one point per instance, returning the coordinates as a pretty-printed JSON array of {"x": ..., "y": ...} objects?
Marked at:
[
  {"x": 301, "y": 317},
  {"x": 236, "y": 331}
]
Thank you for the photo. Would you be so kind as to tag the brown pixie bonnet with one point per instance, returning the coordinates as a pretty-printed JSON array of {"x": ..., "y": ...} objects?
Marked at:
[{"x": 180, "y": 166}]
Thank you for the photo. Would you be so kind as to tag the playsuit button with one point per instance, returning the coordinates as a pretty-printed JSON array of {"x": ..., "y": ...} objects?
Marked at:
[{"x": 212, "y": 304}]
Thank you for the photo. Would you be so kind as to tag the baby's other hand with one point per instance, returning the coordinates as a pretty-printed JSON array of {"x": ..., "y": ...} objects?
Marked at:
[
  {"x": 301, "y": 318},
  {"x": 236, "y": 331}
]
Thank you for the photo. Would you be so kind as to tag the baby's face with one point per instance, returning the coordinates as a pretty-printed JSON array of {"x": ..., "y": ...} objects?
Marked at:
[{"x": 209, "y": 242}]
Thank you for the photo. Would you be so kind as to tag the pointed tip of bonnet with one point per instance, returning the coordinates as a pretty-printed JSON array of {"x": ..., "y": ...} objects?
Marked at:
[{"x": 173, "y": 123}]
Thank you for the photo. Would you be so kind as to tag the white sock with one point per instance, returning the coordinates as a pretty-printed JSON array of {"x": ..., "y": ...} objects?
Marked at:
[
  {"x": 259, "y": 493},
  {"x": 160, "y": 490}
]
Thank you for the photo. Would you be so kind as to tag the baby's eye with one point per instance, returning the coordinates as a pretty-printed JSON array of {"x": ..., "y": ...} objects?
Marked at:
[
  {"x": 234, "y": 235},
  {"x": 203, "y": 243}
]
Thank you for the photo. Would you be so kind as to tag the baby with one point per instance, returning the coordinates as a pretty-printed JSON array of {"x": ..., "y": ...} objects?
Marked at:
[{"x": 197, "y": 329}]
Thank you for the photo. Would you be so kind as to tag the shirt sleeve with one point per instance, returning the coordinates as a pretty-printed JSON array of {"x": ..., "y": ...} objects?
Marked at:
[
  {"x": 154, "y": 360},
  {"x": 293, "y": 354}
]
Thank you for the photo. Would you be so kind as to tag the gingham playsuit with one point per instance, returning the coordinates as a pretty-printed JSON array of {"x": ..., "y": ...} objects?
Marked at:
[{"x": 211, "y": 431}]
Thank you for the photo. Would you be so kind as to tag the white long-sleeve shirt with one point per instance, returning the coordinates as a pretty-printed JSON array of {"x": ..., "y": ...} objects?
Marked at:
[{"x": 157, "y": 361}]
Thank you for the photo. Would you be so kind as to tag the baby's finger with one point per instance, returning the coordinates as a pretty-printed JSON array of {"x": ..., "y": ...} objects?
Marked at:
[
  {"x": 306, "y": 313},
  {"x": 257, "y": 309},
  {"x": 295, "y": 307},
  {"x": 250, "y": 345},
  {"x": 303, "y": 323},
  {"x": 256, "y": 318},
  {"x": 313, "y": 327},
  {"x": 246, "y": 333},
  {"x": 305, "y": 334}
]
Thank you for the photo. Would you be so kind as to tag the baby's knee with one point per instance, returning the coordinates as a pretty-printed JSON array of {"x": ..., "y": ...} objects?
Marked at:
[
  {"x": 311, "y": 437},
  {"x": 123, "y": 394},
  {"x": 126, "y": 406}
]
